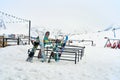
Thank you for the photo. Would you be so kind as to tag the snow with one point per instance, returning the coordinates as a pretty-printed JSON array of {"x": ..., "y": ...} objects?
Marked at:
[{"x": 98, "y": 63}]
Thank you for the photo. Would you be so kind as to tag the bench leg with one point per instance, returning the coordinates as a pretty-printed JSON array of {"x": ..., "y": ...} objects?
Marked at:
[{"x": 82, "y": 54}]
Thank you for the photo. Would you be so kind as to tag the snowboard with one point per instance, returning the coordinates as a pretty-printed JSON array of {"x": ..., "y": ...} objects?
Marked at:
[
  {"x": 56, "y": 53},
  {"x": 32, "y": 51}
]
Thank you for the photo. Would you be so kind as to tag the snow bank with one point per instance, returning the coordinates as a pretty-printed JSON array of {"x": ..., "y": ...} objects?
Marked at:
[{"x": 98, "y": 64}]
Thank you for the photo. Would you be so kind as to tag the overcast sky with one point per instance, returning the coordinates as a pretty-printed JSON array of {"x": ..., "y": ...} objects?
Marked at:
[{"x": 68, "y": 15}]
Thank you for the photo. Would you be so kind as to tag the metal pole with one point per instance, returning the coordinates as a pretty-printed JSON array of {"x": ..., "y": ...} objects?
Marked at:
[{"x": 29, "y": 31}]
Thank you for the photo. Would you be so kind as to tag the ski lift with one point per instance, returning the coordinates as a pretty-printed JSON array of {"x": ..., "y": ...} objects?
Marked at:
[
  {"x": 114, "y": 31},
  {"x": 2, "y": 24}
]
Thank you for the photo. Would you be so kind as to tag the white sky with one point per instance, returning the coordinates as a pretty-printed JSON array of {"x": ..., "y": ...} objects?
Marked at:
[{"x": 72, "y": 15}]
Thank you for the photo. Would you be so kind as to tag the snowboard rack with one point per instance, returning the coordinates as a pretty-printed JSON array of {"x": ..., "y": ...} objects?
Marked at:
[{"x": 70, "y": 53}]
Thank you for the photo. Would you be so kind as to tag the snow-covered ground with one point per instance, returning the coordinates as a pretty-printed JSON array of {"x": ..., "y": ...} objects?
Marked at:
[{"x": 98, "y": 63}]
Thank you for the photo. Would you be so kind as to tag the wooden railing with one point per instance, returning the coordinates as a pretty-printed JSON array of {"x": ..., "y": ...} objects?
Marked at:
[{"x": 8, "y": 41}]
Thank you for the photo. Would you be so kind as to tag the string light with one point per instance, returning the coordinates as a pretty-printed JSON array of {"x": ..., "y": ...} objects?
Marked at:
[{"x": 18, "y": 20}]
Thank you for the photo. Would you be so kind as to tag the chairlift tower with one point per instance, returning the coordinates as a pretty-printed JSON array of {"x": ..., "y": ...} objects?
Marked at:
[
  {"x": 2, "y": 24},
  {"x": 114, "y": 29}
]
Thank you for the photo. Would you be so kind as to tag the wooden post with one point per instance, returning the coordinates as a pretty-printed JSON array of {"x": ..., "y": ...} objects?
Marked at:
[{"x": 3, "y": 42}]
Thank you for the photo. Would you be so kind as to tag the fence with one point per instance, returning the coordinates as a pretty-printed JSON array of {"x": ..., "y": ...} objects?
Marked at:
[
  {"x": 79, "y": 41},
  {"x": 8, "y": 41}
]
